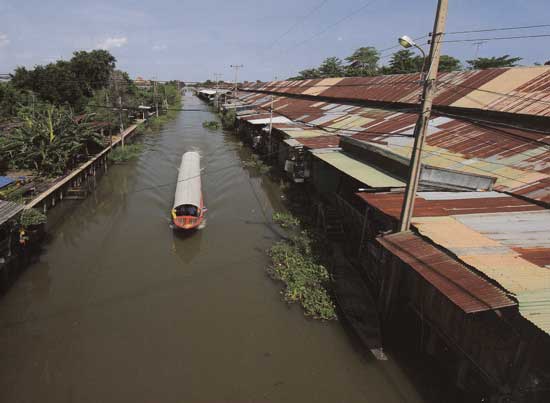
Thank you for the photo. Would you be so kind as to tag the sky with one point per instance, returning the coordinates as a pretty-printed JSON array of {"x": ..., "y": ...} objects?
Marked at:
[{"x": 193, "y": 40}]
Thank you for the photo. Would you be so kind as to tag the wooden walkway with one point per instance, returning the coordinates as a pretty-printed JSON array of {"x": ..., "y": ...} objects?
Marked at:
[{"x": 66, "y": 181}]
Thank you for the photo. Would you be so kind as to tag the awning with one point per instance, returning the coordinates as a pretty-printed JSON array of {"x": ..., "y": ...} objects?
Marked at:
[
  {"x": 265, "y": 121},
  {"x": 293, "y": 143},
  {"x": 364, "y": 173}
]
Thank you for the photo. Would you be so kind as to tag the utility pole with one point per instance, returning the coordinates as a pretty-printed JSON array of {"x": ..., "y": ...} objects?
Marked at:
[
  {"x": 155, "y": 98},
  {"x": 270, "y": 123},
  {"x": 236, "y": 67},
  {"x": 119, "y": 101},
  {"x": 423, "y": 119},
  {"x": 121, "y": 122},
  {"x": 217, "y": 77},
  {"x": 478, "y": 45}
]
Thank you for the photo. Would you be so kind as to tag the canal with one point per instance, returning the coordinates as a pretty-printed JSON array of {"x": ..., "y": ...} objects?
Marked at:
[{"x": 119, "y": 308}]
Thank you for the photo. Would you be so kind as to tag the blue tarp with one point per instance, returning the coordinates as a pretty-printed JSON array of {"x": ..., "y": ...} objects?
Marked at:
[{"x": 5, "y": 181}]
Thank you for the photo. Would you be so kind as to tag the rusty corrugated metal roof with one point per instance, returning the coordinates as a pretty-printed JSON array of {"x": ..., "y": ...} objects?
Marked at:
[
  {"x": 518, "y": 159},
  {"x": 319, "y": 142},
  {"x": 503, "y": 237},
  {"x": 465, "y": 289},
  {"x": 490, "y": 244},
  {"x": 440, "y": 204},
  {"x": 514, "y": 89}
]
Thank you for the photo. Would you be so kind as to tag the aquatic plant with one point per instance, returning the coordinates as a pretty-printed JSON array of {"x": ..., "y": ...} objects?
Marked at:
[
  {"x": 285, "y": 220},
  {"x": 212, "y": 124},
  {"x": 295, "y": 264},
  {"x": 129, "y": 152},
  {"x": 257, "y": 163},
  {"x": 30, "y": 217}
]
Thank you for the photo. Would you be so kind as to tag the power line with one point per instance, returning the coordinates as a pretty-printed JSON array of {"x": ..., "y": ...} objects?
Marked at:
[
  {"x": 497, "y": 29},
  {"x": 448, "y": 83},
  {"x": 299, "y": 21},
  {"x": 319, "y": 33},
  {"x": 496, "y": 38}
]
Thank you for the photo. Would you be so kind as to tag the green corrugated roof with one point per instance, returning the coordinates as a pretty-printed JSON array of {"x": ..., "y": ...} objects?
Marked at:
[{"x": 364, "y": 173}]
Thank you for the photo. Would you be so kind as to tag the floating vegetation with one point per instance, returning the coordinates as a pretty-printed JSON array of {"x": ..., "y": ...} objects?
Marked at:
[
  {"x": 256, "y": 163},
  {"x": 297, "y": 266},
  {"x": 30, "y": 217},
  {"x": 212, "y": 125},
  {"x": 286, "y": 220},
  {"x": 126, "y": 153}
]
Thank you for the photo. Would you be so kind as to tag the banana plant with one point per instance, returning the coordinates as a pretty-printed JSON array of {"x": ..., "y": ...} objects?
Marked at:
[{"x": 50, "y": 140}]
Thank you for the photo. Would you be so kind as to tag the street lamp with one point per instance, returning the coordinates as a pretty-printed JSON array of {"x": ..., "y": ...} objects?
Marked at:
[{"x": 407, "y": 43}]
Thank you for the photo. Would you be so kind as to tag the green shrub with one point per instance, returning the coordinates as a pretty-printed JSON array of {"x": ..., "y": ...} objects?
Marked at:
[
  {"x": 228, "y": 119},
  {"x": 30, "y": 217}
]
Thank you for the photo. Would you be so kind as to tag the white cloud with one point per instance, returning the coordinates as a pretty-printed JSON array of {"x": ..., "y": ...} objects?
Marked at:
[
  {"x": 159, "y": 48},
  {"x": 4, "y": 40},
  {"x": 340, "y": 38},
  {"x": 111, "y": 43}
]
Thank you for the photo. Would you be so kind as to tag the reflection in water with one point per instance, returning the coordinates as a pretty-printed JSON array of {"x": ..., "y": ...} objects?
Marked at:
[
  {"x": 186, "y": 244},
  {"x": 120, "y": 308}
]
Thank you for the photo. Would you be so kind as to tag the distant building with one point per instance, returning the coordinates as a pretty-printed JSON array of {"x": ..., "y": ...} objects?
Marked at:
[{"x": 140, "y": 82}]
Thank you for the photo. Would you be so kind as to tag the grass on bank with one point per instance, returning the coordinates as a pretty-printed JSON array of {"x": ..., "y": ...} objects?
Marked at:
[
  {"x": 295, "y": 263},
  {"x": 128, "y": 153},
  {"x": 155, "y": 123}
]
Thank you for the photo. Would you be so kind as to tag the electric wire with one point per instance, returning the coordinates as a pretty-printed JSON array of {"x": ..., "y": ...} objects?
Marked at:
[
  {"x": 298, "y": 22},
  {"x": 329, "y": 27},
  {"x": 497, "y": 29},
  {"x": 495, "y": 38}
]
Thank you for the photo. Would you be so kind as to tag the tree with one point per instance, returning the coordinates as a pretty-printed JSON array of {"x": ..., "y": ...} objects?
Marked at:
[
  {"x": 11, "y": 99},
  {"x": 92, "y": 69},
  {"x": 363, "y": 62},
  {"x": 54, "y": 82},
  {"x": 307, "y": 74},
  {"x": 493, "y": 62},
  {"x": 67, "y": 82},
  {"x": 449, "y": 63},
  {"x": 404, "y": 61},
  {"x": 331, "y": 67}
]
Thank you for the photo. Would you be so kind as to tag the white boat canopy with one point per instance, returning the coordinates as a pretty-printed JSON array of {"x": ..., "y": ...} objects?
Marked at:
[{"x": 188, "y": 188}]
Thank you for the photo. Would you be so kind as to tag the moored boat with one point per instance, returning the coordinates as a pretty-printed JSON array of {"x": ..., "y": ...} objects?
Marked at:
[{"x": 188, "y": 211}]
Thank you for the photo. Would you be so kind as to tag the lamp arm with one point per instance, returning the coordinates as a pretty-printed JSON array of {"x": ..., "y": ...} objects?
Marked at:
[{"x": 422, "y": 78}]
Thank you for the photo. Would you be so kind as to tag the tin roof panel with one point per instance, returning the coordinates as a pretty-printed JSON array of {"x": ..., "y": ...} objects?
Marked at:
[
  {"x": 453, "y": 279},
  {"x": 360, "y": 171}
]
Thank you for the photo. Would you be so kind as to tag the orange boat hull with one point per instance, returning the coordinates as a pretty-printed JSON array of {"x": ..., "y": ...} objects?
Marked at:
[{"x": 187, "y": 222}]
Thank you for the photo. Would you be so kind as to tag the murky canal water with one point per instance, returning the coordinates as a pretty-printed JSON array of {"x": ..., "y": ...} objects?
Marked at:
[{"x": 121, "y": 309}]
